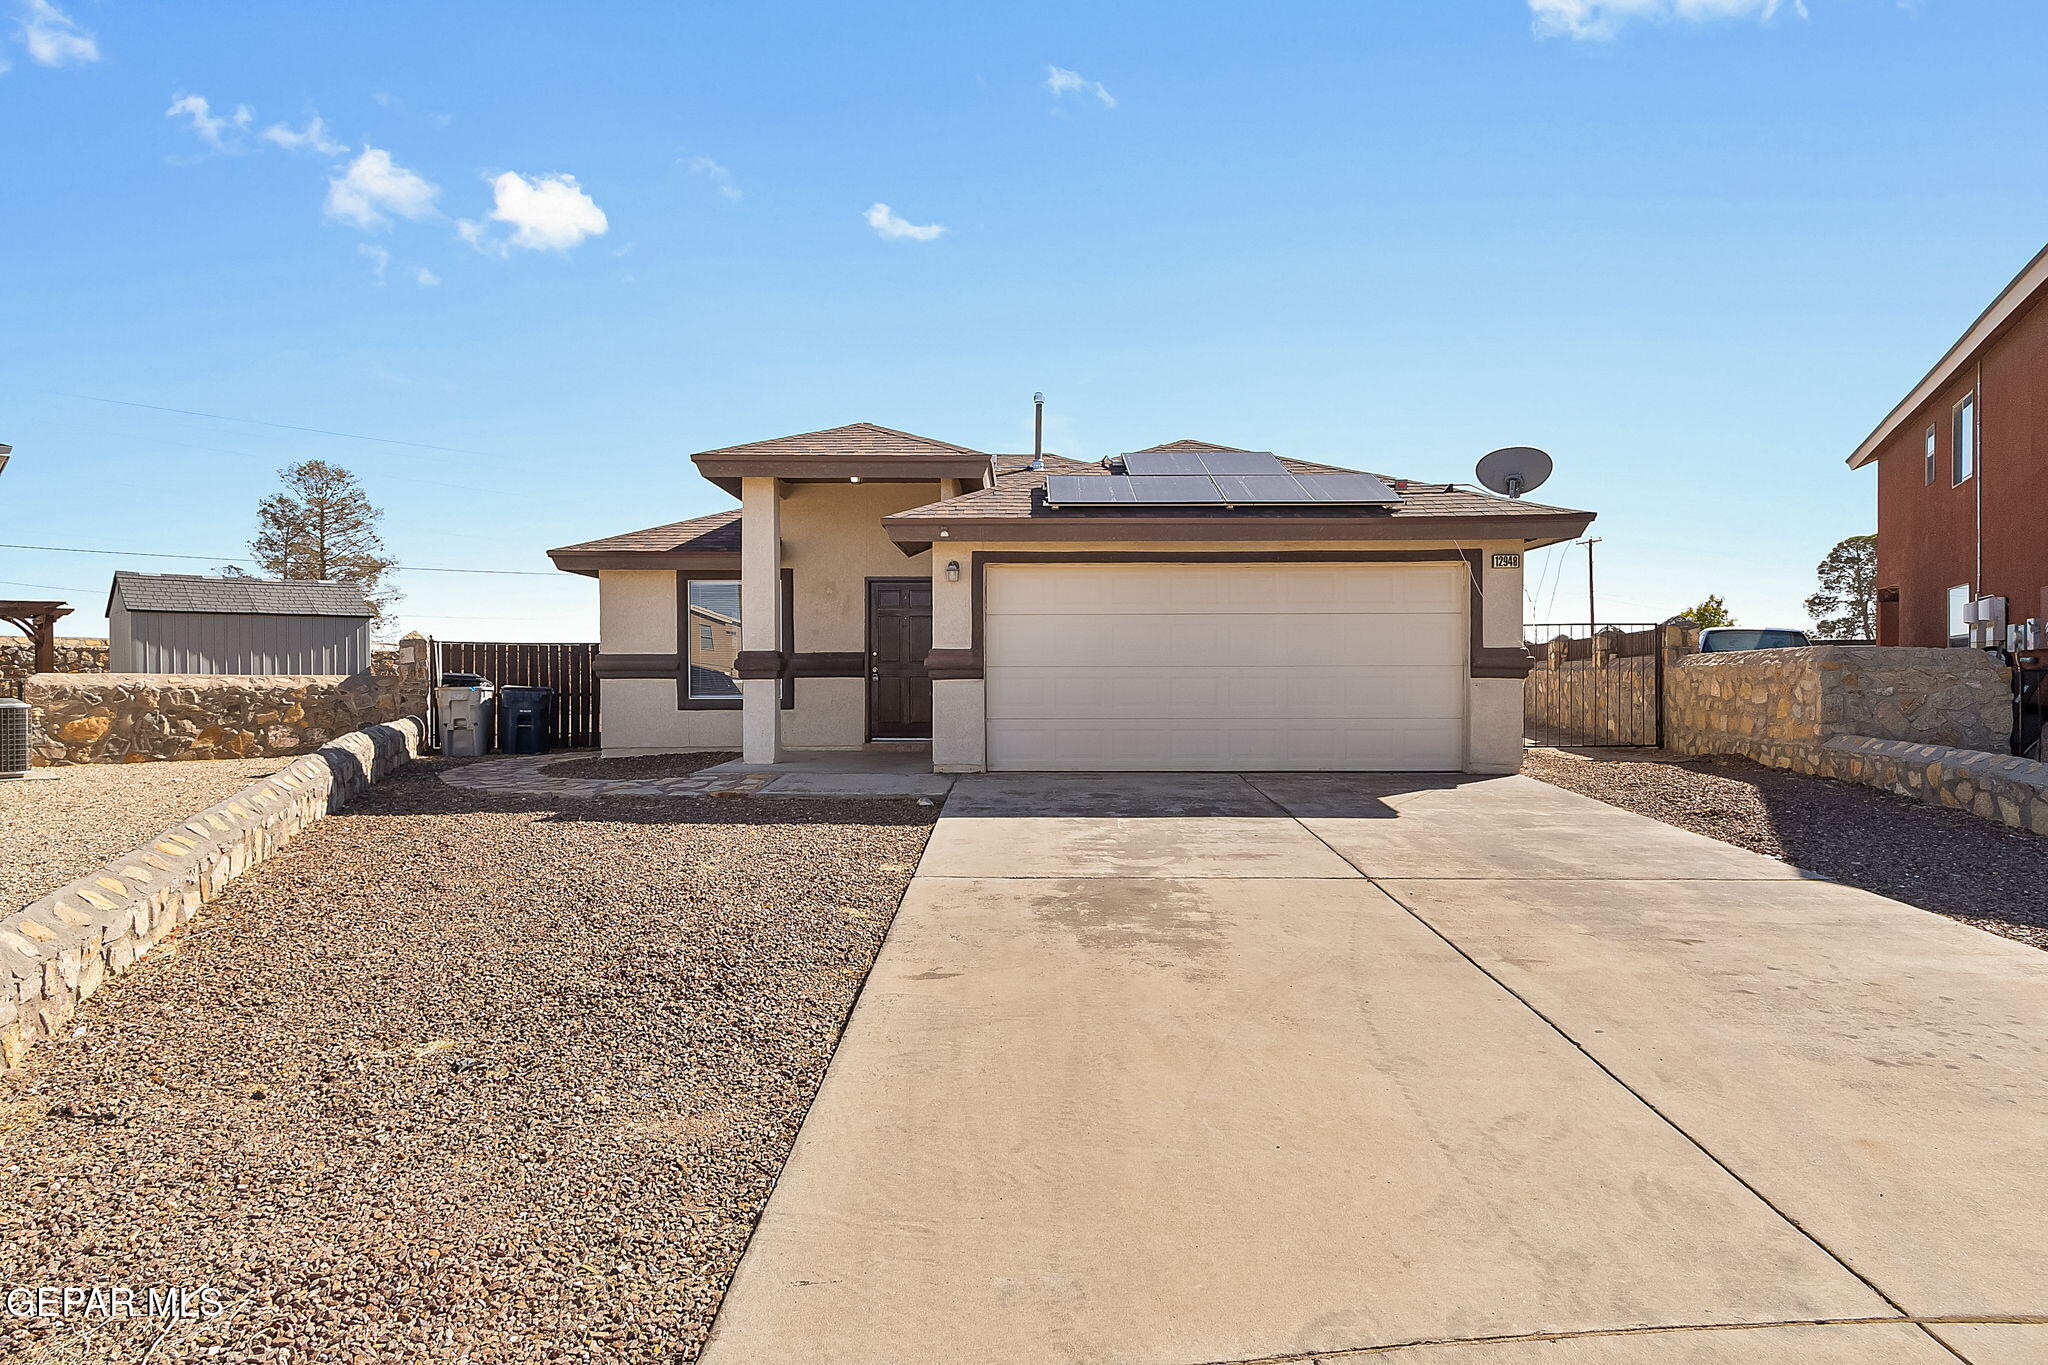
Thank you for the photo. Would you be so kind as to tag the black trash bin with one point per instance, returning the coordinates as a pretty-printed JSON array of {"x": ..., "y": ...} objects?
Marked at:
[{"x": 526, "y": 720}]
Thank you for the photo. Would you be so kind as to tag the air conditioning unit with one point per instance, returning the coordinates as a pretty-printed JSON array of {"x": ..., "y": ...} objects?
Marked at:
[{"x": 14, "y": 714}]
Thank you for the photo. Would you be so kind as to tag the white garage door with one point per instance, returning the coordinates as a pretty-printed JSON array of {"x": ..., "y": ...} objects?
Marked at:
[{"x": 1192, "y": 667}]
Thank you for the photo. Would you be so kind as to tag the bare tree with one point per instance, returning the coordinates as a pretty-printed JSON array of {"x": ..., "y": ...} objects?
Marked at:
[{"x": 322, "y": 525}]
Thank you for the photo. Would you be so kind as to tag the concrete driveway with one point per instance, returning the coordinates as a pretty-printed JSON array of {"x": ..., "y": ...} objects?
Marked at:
[{"x": 1192, "y": 1069}]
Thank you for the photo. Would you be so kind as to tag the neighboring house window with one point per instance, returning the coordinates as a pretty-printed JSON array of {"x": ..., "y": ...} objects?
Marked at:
[
  {"x": 1930, "y": 455},
  {"x": 714, "y": 601},
  {"x": 1958, "y": 604},
  {"x": 1963, "y": 442}
]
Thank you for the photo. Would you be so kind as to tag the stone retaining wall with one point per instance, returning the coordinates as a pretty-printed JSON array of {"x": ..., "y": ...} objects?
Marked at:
[
  {"x": 2013, "y": 791},
  {"x": 1933, "y": 724},
  {"x": 1767, "y": 699},
  {"x": 57, "y": 951},
  {"x": 146, "y": 717},
  {"x": 75, "y": 654}
]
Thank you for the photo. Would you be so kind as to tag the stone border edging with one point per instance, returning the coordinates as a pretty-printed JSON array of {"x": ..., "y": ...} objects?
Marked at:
[
  {"x": 2013, "y": 791},
  {"x": 56, "y": 951}
]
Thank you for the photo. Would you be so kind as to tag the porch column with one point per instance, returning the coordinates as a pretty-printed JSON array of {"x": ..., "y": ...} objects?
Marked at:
[
  {"x": 760, "y": 617},
  {"x": 1493, "y": 738}
]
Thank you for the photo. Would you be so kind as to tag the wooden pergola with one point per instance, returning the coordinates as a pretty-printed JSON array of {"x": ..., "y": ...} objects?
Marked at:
[{"x": 38, "y": 621}]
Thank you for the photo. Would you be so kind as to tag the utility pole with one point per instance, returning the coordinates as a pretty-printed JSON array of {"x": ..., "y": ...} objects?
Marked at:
[{"x": 1592, "y": 613}]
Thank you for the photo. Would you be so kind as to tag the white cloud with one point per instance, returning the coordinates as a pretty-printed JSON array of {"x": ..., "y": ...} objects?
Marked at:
[
  {"x": 313, "y": 136},
  {"x": 1063, "y": 82},
  {"x": 212, "y": 128},
  {"x": 546, "y": 213},
  {"x": 53, "y": 38},
  {"x": 427, "y": 278},
  {"x": 715, "y": 173},
  {"x": 378, "y": 257},
  {"x": 373, "y": 187},
  {"x": 1602, "y": 19},
  {"x": 886, "y": 224}
]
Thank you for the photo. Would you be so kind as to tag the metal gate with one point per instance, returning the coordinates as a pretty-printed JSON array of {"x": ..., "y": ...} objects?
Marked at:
[
  {"x": 1594, "y": 685},
  {"x": 567, "y": 668}
]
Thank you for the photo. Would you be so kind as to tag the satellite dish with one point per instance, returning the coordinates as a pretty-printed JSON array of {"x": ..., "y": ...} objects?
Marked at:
[{"x": 1515, "y": 470}]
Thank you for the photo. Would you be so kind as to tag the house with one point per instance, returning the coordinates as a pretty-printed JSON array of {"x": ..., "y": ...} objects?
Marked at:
[
  {"x": 190, "y": 623},
  {"x": 1962, "y": 481},
  {"x": 1191, "y": 606}
]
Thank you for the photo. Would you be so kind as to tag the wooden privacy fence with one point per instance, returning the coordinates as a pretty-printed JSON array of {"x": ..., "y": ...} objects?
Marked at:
[{"x": 565, "y": 667}]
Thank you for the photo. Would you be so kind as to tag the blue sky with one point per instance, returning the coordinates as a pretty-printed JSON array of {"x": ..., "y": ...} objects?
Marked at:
[{"x": 1695, "y": 248}]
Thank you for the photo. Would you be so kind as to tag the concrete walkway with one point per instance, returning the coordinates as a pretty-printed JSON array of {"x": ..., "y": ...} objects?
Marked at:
[{"x": 1189, "y": 1069}]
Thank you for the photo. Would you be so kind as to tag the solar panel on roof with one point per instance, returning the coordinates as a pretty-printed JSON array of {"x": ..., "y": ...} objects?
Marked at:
[
  {"x": 1261, "y": 488},
  {"x": 1347, "y": 488},
  {"x": 1088, "y": 489},
  {"x": 1237, "y": 490},
  {"x": 1175, "y": 488},
  {"x": 1157, "y": 463},
  {"x": 1241, "y": 462}
]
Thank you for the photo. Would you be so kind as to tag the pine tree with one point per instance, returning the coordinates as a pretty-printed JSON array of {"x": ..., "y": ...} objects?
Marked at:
[
  {"x": 323, "y": 526},
  {"x": 1846, "y": 605}
]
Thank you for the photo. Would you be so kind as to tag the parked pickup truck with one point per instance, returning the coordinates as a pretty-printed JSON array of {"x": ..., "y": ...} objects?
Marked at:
[{"x": 1721, "y": 639}]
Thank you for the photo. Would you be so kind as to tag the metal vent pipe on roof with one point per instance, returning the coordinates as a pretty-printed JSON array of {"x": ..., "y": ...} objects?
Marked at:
[{"x": 1038, "y": 431}]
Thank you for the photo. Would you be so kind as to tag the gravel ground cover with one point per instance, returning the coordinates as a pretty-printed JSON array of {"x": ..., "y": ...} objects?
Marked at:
[
  {"x": 455, "y": 1077},
  {"x": 55, "y": 830},
  {"x": 648, "y": 765},
  {"x": 1943, "y": 860}
]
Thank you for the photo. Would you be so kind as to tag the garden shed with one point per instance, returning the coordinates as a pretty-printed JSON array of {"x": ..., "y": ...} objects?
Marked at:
[{"x": 191, "y": 623}]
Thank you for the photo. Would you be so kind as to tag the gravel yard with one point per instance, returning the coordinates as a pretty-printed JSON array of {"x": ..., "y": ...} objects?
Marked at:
[
  {"x": 54, "y": 830},
  {"x": 455, "y": 1077},
  {"x": 1943, "y": 860}
]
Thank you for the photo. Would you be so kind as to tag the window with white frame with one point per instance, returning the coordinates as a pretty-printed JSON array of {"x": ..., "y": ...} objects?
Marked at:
[
  {"x": 1963, "y": 440},
  {"x": 1958, "y": 615},
  {"x": 1929, "y": 475}
]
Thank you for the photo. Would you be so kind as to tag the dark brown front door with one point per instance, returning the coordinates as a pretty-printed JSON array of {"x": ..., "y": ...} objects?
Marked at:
[{"x": 899, "y": 636}]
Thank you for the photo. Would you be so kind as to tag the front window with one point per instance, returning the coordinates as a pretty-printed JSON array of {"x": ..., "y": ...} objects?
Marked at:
[
  {"x": 714, "y": 606},
  {"x": 1958, "y": 615},
  {"x": 1930, "y": 455},
  {"x": 1964, "y": 442}
]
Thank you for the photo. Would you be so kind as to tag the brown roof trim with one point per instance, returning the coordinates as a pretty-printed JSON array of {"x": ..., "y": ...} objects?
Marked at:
[
  {"x": 727, "y": 471},
  {"x": 917, "y": 534},
  {"x": 590, "y": 562}
]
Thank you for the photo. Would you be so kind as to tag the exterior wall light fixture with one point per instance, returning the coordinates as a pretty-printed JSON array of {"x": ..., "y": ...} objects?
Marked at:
[{"x": 952, "y": 571}]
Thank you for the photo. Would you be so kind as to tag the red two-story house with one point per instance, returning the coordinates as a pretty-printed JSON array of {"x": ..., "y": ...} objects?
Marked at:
[{"x": 1962, "y": 483}]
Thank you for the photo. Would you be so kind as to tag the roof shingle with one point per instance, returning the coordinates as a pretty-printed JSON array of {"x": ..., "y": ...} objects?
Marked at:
[
  {"x": 718, "y": 533},
  {"x": 238, "y": 596},
  {"x": 856, "y": 439}
]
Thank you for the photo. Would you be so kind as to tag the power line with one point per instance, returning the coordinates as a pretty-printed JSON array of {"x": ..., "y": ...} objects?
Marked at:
[
  {"x": 280, "y": 426},
  {"x": 229, "y": 559},
  {"x": 377, "y": 474}
]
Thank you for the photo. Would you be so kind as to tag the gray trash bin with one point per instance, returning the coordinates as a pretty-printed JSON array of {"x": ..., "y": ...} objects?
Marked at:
[{"x": 465, "y": 717}]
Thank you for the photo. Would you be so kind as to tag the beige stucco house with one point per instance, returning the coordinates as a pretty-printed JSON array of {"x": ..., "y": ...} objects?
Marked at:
[{"x": 1188, "y": 607}]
